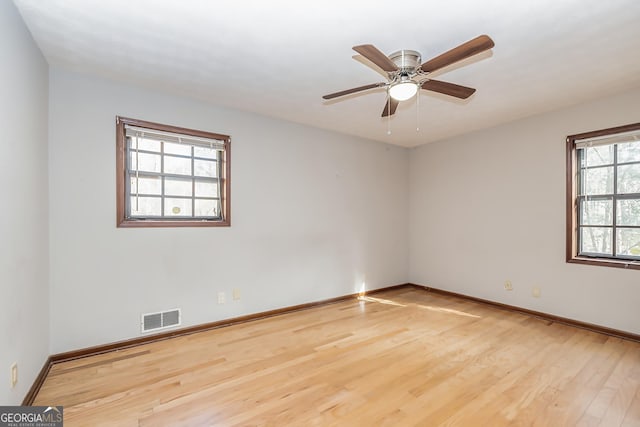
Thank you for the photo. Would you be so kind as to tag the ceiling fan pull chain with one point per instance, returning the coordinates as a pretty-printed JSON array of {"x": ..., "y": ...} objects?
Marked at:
[
  {"x": 418, "y": 113},
  {"x": 388, "y": 115}
]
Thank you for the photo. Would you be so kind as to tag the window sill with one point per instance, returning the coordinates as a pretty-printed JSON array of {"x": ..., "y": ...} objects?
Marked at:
[
  {"x": 168, "y": 224},
  {"x": 605, "y": 262}
]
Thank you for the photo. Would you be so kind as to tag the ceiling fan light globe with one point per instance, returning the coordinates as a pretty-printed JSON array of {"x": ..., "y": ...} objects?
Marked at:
[{"x": 403, "y": 91}]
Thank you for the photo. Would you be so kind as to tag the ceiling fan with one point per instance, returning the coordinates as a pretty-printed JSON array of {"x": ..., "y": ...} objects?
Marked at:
[{"x": 405, "y": 74}]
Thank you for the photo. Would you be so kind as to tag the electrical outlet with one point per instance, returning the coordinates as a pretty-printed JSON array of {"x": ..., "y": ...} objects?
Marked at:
[
  {"x": 221, "y": 297},
  {"x": 14, "y": 375},
  {"x": 236, "y": 294},
  {"x": 535, "y": 292},
  {"x": 508, "y": 286}
]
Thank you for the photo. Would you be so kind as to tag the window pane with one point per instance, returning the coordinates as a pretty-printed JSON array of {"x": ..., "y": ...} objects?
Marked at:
[
  {"x": 597, "y": 212},
  {"x": 595, "y": 240},
  {"x": 144, "y": 144},
  {"x": 629, "y": 152},
  {"x": 183, "y": 149},
  {"x": 206, "y": 189},
  {"x": 177, "y": 187},
  {"x": 628, "y": 242},
  {"x": 148, "y": 162},
  {"x": 145, "y": 206},
  {"x": 177, "y": 207},
  {"x": 204, "y": 168},
  {"x": 629, "y": 179},
  {"x": 206, "y": 207},
  {"x": 628, "y": 212},
  {"x": 177, "y": 165},
  {"x": 597, "y": 181},
  {"x": 596, "y": 156},
  {"x": 209, "y": 153},
  {"x": 147, "y": 185}
]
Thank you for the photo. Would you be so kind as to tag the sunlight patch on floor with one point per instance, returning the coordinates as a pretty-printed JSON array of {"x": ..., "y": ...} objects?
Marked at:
[
  {"x": 364, "y": 298},
  {"x": 447, "y": 311},
  {"x": 380, "y": 300}
]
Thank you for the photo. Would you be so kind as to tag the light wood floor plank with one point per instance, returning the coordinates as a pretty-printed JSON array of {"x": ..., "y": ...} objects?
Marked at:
[{"x": 400, "y": 358}]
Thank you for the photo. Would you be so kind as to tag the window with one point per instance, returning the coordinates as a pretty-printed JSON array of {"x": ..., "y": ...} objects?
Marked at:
[
  {"x": 603, "y": 197},
  {"x": 171, "y": 177}
]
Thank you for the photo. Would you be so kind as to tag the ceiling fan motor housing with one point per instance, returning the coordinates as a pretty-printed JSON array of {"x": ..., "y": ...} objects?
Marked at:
[{"x": 407, "y": 60}]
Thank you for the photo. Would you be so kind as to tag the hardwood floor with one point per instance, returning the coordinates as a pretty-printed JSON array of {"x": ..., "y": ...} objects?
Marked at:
[{"x": 399, "y": 358}]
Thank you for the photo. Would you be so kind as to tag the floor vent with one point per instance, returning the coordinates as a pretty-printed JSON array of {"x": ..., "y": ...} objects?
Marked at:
[{"x": 152, "y": 322}]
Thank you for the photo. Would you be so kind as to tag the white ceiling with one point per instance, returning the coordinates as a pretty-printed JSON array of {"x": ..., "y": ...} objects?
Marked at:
[{"x": 278, "y": 57}]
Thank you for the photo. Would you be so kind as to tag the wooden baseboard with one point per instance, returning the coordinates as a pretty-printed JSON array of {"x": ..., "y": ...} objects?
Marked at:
[
  {"x": 120, "y": 345},
  {"x": 541, "y": 315},
  {"x": 37, "y": 383}
]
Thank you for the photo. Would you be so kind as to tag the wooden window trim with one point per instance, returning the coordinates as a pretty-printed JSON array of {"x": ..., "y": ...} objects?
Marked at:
[
  {"x": 122, "y": 221},
  {"x": 571, "y": 206}
]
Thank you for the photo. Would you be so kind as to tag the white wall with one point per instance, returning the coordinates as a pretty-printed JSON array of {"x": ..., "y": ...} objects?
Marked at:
[
  {"x": 490, "y": 206},
  {"x": 314, "y": 215},
  {"x": 24, "y": 264}
]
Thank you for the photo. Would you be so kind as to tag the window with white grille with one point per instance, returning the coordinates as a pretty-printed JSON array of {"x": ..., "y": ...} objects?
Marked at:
[
  {"x": 605, "y": 199},
  {"x": 169, "y": 176}
]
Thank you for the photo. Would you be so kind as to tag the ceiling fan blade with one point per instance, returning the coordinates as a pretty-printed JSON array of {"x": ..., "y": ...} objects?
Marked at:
[
  {"x": 465, "y": 50},
  {"x": 372, "y": 53},
  {"x": 352, "y": 90},
  {"x": 390, "y": 107},
  {"x": 450, "y": 89}
]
